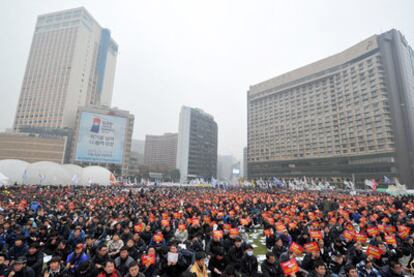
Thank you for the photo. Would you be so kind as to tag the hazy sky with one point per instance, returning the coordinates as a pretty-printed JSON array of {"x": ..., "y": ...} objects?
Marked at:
[{"x": 201, "y": 53}]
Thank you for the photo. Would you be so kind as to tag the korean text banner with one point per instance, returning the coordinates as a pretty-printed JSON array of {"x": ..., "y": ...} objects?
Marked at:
[{"x": 101, "y": 138}]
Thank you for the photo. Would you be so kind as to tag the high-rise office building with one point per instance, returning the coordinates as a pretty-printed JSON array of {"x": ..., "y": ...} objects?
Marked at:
[
  {"x": 197, "y": 145},
  {"x": 161, "y": 152},
  {"x": 349, "y": 114},
  {"x": 71, "y": 64}
]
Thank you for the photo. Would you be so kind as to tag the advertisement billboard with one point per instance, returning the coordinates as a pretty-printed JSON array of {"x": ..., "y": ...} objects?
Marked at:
[{"x": 101, "y": 138}]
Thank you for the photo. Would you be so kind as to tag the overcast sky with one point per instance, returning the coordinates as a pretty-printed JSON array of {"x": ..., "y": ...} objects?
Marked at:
[{"x": 201, "y": 53}]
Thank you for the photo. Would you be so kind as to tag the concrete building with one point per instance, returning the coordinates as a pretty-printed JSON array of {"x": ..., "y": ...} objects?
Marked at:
[
  {"x": 103, "y": 137},
  {"x": 197, "y": 145},
  {"x": 32, "y": 148},
  {"x": 71, "y": 64},
  {"x": 225, "y": 167},
  {"x": 161, "y": 151},
  {"x": 136, "y": 159},
  {"x": 350, "y": 113}
]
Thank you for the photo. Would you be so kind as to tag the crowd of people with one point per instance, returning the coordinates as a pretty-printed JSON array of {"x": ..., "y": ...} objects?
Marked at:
[{"x": 117, "y": 232}]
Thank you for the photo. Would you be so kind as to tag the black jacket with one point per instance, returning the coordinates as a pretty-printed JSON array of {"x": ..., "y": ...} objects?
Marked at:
[
  {"x": 219, "y": 264},
  {"x": 35, "y": 262},
  {"x": 235, "y": 255},
  {"x": 249, "y": 266},
  {"x": 278, "y": 251},
  {"x": 25, "y": 272},
  {"x": 269, "y": 270}
]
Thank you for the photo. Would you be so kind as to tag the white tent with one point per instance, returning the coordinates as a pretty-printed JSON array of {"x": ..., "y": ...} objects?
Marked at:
[
  {"x": 4, "y": 180},
  {"x": 14, "y": 170},
  {"x": 74, "y": 171},
  {"x": 95, "y": 175},
  {"x": 47, "y": 173}
]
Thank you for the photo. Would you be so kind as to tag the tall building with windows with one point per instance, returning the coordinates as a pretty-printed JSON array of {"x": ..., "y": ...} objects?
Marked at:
[
  {"x": 161, "y": 152},
  {"x": 197, "y": 145},
  {"x": 71, "y": 64},
  {"x": 351, "y": 114}
]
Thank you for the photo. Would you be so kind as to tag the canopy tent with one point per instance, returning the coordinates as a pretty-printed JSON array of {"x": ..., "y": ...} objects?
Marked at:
[
  {"x": 74, "y": 171},
  {"x": 95, "y": 175},
  {"x": 4, "y": 180},
  {"x": 47, "y": 173},
  {"x": 50, "y": 173},
  {"x": 15, "y": 170}
]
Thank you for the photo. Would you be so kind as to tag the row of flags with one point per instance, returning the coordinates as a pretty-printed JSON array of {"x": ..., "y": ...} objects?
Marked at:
[{"x": 318, "y": 184}]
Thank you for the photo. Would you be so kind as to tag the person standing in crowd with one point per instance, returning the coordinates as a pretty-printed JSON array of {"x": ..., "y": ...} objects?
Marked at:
[
  {"x": 109, "y": 270},
  {"x": 20, "y": 269},
  {"x": 133, "y": 270},
  {"x": 123, "y": 262},
  {"x": 337, "y": 263},
  {"x": 99, "y": 260},
  {"x": 319, "y": 270},
  {"x": 218, "y": 262},
  {"x": 199, "y": 267},
  {"x": 172, "y": 263},
  {"x": 76, "y": 258},
  {"x": 249, "y": 264},
  {"x": 55, "y": 268},
  {"x": 278, "y": 247},
  {"x": 114, "y": 246},
  {"x": 19, "y": 249},
  {"x": 236, "y": 253},
  {"x": 395, "y": 269},
  {"x": 181, "y": 234},
  {"x": 3, "y": 264},
  {"x": 34, "y": 258},
  {"x": 269, "y": 267},
  {"x": 351, "y": 271},
  {"x": 366, "y": 269},
  {"x": 76, "y": 236}
]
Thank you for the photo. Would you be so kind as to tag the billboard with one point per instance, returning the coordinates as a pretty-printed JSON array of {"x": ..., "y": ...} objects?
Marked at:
[{"x": 101, "y": 138}]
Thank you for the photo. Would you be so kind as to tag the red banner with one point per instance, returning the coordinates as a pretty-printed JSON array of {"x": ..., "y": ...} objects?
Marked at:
[
  {"x": 361, "y": 238},
  {"x": 268, "y": 232},
  {"x": 226, "y": 226},
  {"x": 296, "y": 248},
  {"x": 390, "y": 229},
  {"x": 403, "y": 231},
  {"x": 311, "y": 247},
  {"x": 349, "y": 235},
  {"x": 158, "y": 238},
  {"x": 234, "y": 232},
  {"x": 148, "y": 260},
  {"x": 280, "y": 227},
  {"x": 138, "y": 228},
  {"x": 375, "y": 252},
  {"x": 244, "y": 221},
  {"x": 315, "y": 234},
  {"x": 217, "y": 234},
  {"x": 390, "y": 239},
  {"x": 372, "y": 231},
  {"x": 290, "y": 267}
]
